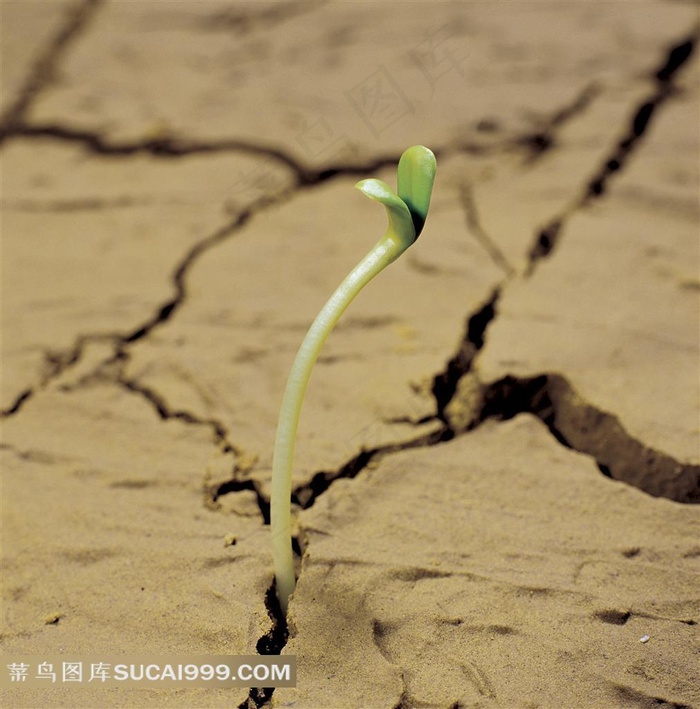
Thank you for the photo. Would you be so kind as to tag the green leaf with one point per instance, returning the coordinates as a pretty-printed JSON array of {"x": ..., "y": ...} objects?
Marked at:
[
  {"x": 400, "y": 219},
  {"x": 416, "y": 174}
]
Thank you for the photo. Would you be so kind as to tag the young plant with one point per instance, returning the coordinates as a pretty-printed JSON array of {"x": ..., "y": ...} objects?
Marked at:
[{"x": 406, "y": 211}]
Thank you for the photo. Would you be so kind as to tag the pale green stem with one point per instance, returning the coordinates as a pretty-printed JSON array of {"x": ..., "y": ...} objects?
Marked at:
[{"x": 386, "y": 250}]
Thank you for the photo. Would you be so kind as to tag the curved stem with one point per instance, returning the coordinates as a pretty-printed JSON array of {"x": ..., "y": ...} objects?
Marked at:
[{"x": 387, "y": 249}]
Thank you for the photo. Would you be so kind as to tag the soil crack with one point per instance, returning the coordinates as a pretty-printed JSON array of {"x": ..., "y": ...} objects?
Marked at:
[
  {"x": 466, "y": 194},
  {"x": 583, "y": 427},
  {"x": 57, "y": 362},
  {"x": 445, "y": 383},
  {"x": 665, "y": 87},
  {"x": 173, "y": 147},
  {"x": 43, "y": 73},
  {"x": 219, "y": 432},
  {"x": 271, "y": 643},
  {"x": 166, "y": 146},
  {"x": 306, "y": 494},
  {"x": 541, "y": 141}
]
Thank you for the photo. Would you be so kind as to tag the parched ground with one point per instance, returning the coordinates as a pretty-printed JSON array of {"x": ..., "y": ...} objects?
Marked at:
[{"x": 497, "y": 470}]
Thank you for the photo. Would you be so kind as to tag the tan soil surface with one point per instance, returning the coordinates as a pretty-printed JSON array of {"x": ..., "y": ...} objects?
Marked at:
[{"x": 498, "y": 464}]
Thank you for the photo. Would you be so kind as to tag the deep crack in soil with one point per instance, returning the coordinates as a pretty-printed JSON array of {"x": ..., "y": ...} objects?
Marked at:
[
  {"x": 584, "y": 428},
  {"x": 269, "y": 644}
]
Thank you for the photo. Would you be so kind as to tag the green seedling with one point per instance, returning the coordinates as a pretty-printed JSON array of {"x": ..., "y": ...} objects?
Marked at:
[{"x": 407, "y": 212}]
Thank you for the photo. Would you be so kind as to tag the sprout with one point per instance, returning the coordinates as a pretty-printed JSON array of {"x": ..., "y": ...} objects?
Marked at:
[{"x": 407, "y": 212}]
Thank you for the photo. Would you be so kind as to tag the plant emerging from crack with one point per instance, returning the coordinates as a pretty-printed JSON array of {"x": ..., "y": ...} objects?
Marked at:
[{"x": 407, "y": 212}]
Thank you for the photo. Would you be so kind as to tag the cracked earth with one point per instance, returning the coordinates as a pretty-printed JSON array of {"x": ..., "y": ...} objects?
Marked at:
[{"x": 497, "y": 470}]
